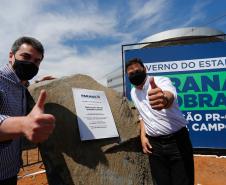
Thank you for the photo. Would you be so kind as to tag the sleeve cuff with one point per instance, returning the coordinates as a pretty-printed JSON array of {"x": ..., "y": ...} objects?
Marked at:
[{"x": 3, "y": 118}]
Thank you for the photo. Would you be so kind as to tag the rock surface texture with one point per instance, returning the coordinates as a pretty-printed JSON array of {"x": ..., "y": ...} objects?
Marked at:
[{"x": 70, "y": 161}]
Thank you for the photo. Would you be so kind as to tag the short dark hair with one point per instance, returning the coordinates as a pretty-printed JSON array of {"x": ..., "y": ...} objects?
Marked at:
[
  {"x": 28, "y": 40},
  {"x": 134, "y": 61}
]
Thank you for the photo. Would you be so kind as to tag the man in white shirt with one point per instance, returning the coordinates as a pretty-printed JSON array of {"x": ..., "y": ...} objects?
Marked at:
[{"x": 164, "y": 135}]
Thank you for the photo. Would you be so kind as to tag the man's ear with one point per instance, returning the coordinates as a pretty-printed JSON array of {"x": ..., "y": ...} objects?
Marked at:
[{"x": 11, "y": 57}]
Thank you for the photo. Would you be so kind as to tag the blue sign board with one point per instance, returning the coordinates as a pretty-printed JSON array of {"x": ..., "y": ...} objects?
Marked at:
[{"x": 198, "y": 72}]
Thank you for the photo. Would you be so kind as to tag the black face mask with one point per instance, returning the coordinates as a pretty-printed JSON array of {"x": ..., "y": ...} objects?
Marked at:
[
  {"x": 137, "y": 78},
  {"x": 25, "y": 70}
]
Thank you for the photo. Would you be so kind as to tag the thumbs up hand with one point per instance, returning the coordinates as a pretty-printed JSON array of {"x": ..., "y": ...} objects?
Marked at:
[
  {"x": 37, "y": 125},
  {"x": 156, "y": 97},
  {"x": 152, "y": 83},
  {"x": 39, "y": 106}
]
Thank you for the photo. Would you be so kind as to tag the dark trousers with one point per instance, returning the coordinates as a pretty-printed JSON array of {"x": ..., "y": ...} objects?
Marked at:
[
  {"x": 171, "y": 160},
  {"x": 9, "y": 181}
]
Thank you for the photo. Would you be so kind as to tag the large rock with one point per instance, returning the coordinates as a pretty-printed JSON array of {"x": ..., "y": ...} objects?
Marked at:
[{"x": 69, "y": 161}]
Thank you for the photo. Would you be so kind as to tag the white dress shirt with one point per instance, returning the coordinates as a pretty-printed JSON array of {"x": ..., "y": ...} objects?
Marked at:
[{"x": 165, "y": 121}]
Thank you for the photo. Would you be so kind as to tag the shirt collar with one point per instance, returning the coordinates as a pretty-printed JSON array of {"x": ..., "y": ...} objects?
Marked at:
[
  {"x": 10, "y": 74},
  {"x": 146, "y": 84}
]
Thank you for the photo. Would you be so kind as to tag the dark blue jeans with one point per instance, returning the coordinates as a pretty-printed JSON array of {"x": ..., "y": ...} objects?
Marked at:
[{"x": 171, "y": 160}]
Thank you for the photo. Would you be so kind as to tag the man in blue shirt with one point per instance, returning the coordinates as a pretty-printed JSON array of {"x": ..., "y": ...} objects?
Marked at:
[{"x": 24, "y": 60}]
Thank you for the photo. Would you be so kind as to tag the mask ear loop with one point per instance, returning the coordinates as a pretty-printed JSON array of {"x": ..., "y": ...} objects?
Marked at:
[{"x": 14, "y": 54}]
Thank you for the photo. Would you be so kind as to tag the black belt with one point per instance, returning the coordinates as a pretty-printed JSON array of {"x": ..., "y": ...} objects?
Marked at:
[{"x": 182, "y": 131}]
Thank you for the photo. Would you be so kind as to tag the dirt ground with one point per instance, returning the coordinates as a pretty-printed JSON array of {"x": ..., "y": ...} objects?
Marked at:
[
  {"x": 27, "y": 174},
  {"x": 209, "y": 170},
  {"x": 39, "y": 179}
]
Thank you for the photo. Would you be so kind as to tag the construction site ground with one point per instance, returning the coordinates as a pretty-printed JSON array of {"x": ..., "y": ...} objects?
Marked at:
[{"x": 209, "y": 170}]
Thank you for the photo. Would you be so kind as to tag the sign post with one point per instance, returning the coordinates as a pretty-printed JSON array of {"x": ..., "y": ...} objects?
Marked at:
[{"x": 198, "y": 71}]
